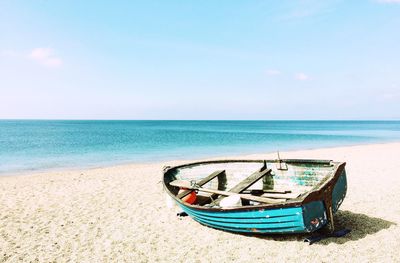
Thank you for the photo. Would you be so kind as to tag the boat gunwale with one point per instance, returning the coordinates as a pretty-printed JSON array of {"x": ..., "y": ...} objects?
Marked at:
[{"x": 320, "y": 192}]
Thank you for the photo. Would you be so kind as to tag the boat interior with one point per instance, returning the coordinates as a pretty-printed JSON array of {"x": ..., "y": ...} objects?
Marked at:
[{"x": 235, "y": 183}]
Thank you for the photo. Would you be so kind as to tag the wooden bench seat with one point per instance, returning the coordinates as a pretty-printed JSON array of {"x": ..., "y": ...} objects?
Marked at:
[
  {"x": 245, "y": 184},
  {"x": 203, "y": 181}
]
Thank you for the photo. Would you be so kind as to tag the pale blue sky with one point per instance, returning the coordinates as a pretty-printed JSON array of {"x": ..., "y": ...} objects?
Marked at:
[{"x": 200, "y": 59}]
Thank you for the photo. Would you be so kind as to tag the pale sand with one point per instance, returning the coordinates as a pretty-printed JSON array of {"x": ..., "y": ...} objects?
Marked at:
[{"x": 119, "y": 214}]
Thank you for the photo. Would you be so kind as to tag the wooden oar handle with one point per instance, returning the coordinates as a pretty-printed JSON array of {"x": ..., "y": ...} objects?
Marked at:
[{"x": 187, "y": 184}]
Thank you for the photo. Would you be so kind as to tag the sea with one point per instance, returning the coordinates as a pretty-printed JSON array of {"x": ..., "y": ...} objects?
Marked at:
[{"x": 36, "y": 145}]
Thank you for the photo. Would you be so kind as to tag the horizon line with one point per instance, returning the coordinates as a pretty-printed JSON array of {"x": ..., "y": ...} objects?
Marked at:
[{"x": 51, "y": 119}]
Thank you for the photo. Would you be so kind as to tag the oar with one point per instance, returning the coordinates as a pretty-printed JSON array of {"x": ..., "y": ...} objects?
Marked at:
[
  {"x": 272, "y": 194},
  {"x": 188, "y": 185},
  {"x": 261, "y": 191}
]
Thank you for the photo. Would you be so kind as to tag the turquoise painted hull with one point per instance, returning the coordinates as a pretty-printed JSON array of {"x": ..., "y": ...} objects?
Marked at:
[
  {"x": 301, "y": 219},
  {"x": 304, "y": 214}
]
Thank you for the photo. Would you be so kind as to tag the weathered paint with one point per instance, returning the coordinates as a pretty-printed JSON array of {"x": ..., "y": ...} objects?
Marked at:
[
  {"x": 282, "y": 220},
  {"x": 339, "y": 191},
  {"x": 315, "y": 212},
  {"x": 314, "y": 216}
]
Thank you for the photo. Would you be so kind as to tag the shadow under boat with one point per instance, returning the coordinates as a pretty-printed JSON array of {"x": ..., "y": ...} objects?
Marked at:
[{"x": 361, "y": 226}]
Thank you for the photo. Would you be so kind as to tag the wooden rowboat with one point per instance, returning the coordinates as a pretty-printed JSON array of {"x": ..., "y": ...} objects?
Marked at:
[{"x": 276, "y": 196}]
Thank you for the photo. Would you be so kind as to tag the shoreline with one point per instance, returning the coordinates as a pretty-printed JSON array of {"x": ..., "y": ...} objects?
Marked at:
[
  {"x": 118, "y": 213},
  {"x": 73, "y": 168}
]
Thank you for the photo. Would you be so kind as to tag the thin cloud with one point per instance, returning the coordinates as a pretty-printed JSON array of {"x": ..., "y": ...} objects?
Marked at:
[
  {"x": 273, "y": 72},
  {"x": 307, "y": 8},
  {"x": 390, "y": 96},
  {"x": 392, "y": 93},
  {"x": 9, "y": 53},
  {"x": 301, "y": 76},
  {"x": 46, "y": 57},
  {"x": 388, "y": 1}
]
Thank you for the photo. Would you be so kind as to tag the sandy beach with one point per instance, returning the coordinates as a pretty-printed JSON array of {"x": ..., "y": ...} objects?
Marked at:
[{"x": 118, "y": 214}]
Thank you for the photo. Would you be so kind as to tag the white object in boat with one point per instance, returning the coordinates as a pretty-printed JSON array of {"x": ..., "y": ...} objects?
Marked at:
[{"x": 230, "y": 201}]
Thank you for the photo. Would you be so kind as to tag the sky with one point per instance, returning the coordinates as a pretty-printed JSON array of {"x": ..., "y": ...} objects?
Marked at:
[{"x": 226, "y": 59}]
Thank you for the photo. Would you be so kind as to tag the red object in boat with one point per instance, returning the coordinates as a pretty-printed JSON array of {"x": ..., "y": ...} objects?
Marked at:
[{"x": 190, "y": 198}]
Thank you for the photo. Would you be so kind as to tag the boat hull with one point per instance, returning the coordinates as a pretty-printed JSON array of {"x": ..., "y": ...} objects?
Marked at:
[{"x": 301, "y": 217}]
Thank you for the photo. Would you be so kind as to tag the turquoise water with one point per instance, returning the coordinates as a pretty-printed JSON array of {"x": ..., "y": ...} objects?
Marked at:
[{"x": 40, "y": 145}]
